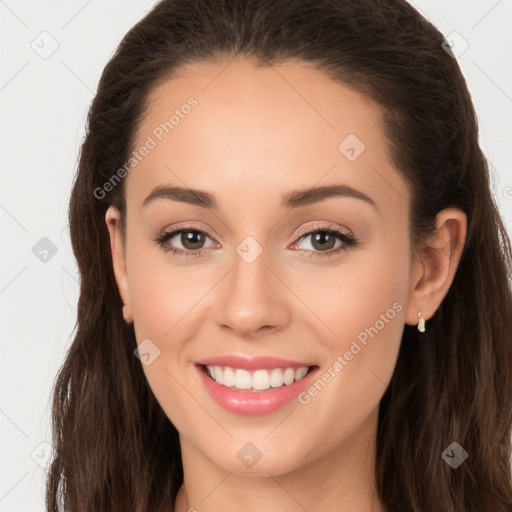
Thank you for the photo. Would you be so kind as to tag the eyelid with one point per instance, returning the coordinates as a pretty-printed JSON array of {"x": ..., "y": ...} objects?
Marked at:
[
  {"x": 307, "y": 230},
  {"x": 186, "y": 227},
  {"x": 340, "y": 232}
]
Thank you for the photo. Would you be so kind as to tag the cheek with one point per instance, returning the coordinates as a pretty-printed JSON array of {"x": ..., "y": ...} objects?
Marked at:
[
  {"x": 166, "y": 302},
  {"x": 161, "y": 300},
  {"x": 368, "y": 289},
  {"x": 361, "y": 306},
  {"x": 163, "y": 294}
]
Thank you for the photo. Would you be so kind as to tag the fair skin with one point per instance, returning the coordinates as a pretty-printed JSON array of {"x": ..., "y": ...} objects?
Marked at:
[{"x": 255, "y": 135}]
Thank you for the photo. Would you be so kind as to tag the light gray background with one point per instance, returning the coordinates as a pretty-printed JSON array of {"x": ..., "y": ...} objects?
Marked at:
[{"x": 44, "y": 99}]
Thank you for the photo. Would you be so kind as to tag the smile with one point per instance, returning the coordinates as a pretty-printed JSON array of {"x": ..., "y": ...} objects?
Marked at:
[
  {"x": 259, "y": 380},
  {"x": 254, "y": 386}
]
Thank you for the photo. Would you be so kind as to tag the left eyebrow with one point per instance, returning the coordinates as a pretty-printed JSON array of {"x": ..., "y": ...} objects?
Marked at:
[
  {"x": 292, "y": 199},
  {"x": 305, "y": 197}
]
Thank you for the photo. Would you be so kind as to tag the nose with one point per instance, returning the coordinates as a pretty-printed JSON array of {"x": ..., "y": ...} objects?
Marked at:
[{"x": 252, "y": 300}]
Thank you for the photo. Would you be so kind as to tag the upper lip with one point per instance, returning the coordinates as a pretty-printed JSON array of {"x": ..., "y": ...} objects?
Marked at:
[{"x": 252, "y": 363}]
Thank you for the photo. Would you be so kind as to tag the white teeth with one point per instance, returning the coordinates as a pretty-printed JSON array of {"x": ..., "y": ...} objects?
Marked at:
[
  {"x": 258, "y": 380},
  {"x": 261, "y": 380},
  {"x": 228, "y": 378},
  {"x": 218, "y": 374},
  {"x": 300, "y": 373},
  {"x": 289, "y": 376},
  {"x": 276, "y": 378},
  {"x": 242, "y": 379}
]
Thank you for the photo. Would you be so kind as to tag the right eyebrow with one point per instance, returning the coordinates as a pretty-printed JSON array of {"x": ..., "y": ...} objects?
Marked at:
[{"x": 184, "y": 195}]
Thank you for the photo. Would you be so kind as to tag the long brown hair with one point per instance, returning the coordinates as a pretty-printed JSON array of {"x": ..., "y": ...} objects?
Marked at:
[{"x": 114, "y": 448}]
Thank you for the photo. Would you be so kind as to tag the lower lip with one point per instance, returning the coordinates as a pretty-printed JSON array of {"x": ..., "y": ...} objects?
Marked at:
[{"x": 254, "y": 403}]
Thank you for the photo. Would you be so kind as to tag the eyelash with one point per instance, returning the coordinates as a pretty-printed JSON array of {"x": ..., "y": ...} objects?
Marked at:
[{"x": 348, "y": 241}]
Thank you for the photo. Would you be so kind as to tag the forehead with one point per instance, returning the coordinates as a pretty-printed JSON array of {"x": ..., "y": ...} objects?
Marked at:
[{"x": 230, "y": 125}]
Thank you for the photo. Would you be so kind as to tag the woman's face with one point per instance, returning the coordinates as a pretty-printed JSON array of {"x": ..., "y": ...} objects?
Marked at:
[{"x": 261, "y": 280}]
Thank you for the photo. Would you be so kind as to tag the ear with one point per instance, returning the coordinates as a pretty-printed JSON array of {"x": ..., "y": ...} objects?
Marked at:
[
  {"x": 435, "y": 265},
  {"x": 112, "y": 218}
]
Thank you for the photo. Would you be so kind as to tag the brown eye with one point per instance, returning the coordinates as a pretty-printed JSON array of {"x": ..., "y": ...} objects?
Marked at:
[
  {"x": 192, "y": 239},
  {"x": 323, "y": 240},
  {"x": 183, "y": 242}
]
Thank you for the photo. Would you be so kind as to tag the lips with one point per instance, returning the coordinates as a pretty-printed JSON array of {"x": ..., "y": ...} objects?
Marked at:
[{"x": 254, "y": 386}]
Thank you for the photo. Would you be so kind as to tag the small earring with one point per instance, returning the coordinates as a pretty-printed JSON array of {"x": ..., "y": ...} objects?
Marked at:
[
  {"x": 421, "y": 323},
  {"x": 124, "y": 303}
]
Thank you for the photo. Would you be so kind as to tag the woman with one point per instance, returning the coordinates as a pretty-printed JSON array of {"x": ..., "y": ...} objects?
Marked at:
[{"x": 294, "y": 278}]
